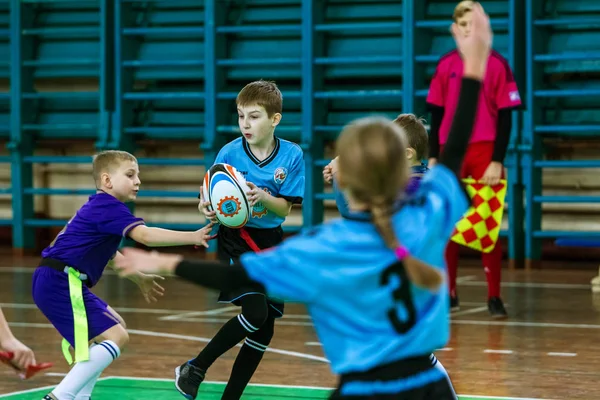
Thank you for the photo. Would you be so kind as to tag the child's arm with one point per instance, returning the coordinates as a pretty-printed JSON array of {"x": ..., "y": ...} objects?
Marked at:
[
  {"x": 146, "y": 282},
  {"x": 158, "y": 237},
  {"x": 23, "y": 355},
  {"x": 278, "y": 205}
]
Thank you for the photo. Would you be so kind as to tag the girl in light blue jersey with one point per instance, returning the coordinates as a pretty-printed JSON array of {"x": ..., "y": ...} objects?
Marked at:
[{"x": 373, "y": 282}]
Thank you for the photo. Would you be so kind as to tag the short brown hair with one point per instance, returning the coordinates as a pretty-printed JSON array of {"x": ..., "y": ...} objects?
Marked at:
[
  {"x": 263, "y": 93},
  {"x": 462, "y": 8},
  {"x": 414, "y": 128},
  {"x": 109, "y": 160}
]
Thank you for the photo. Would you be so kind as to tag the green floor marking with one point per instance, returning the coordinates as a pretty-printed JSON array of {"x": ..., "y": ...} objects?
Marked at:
[{"x": 136, "y": 389}]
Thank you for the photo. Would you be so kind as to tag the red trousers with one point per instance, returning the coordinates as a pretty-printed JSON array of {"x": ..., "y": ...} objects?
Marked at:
[{"x": 477, "y": 159}]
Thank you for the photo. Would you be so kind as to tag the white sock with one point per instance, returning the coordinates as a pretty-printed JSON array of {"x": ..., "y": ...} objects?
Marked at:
[
  {"x": 440, "y": 367},
  {"x": 86, "y": 392},
  {"x": 101, "y": 355}
]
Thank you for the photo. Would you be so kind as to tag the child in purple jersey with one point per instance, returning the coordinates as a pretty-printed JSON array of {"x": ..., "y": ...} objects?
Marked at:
[{"x": 75, "y": 261}]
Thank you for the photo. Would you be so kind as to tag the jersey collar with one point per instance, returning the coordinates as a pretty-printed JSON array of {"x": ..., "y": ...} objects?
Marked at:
[{"x": 267, "y": 160}]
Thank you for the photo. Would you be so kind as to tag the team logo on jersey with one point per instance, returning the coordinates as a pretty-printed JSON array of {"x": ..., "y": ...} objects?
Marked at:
[
  {"x": 514, "y": 96},
  {"x": 280, "y": 175},
  {"x": 229, "y": 206},
  {"x": 259, "y": 210}
]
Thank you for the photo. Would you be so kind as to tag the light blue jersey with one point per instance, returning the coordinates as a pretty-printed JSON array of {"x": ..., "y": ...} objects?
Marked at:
[
  {"x": 281, "y": 175},
  {"x": 365, "y": 311}
]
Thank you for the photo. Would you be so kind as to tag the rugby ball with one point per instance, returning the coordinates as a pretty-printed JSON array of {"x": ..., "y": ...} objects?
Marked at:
[{"x": 225, "y": 188}]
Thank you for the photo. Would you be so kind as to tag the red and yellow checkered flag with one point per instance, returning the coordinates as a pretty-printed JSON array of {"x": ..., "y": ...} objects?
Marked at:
[{"x": 480, "y": 226}]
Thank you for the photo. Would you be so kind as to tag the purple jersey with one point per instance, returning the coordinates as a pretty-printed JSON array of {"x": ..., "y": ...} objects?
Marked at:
[
  {"x": 416, "y": 175},
  {"x": 92, "y": 237}
]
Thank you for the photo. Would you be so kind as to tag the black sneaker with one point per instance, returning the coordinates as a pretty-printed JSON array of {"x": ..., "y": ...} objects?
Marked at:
[
  {"x": 454, "y": 305},
  {"x": 188, "y": 378},
  {"x": 496, "y": 308}
]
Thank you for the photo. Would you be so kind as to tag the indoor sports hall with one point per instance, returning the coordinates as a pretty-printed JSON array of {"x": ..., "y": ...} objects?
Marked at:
[{"x": 159, "y": 79}]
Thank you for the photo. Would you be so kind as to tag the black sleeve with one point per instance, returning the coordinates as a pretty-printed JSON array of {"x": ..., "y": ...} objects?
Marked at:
[
  {"x": 503, "y": 128},
  {"x": 462, "y": 125},
  {"x": 437, "y": 115},
  {"x": 216, "y": 275}
]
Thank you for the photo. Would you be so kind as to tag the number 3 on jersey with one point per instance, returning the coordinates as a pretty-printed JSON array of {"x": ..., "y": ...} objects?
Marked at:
[{"x": 402, "y": 296}]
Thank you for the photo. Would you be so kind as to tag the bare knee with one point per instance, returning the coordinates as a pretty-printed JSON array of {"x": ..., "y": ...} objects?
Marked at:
[{"x": 117, "y": 334}]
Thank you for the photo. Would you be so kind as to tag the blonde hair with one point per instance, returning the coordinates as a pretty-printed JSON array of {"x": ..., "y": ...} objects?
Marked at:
[
  {"x": 108, "y": 161},
  {"x": 373, "y": 169},
  {"x": 462, "y": 8},
  {"x": 263, "y": 93}
]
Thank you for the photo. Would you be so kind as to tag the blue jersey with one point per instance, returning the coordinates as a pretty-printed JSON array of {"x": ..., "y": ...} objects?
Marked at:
[
  {"x": 281, "y": 175},
  {"x": 417, "y": 173},
  {"x": 365, "y": 311},
  {"x": 92, "y": 237}
]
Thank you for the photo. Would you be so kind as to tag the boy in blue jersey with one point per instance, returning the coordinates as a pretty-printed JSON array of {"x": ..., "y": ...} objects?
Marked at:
[
  {"x": 75, "y": 261},
  {"x": 373, "y": 282},
  {"x": 274, "y": 170}
]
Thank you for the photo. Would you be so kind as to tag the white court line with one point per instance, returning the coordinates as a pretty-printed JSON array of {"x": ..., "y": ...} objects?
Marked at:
[
  {"x": 55, "y": 374},
  {"x": 445, "y": 349},
  {"x": 183, "y": 337},
  {"x": 215, "y": 311},
  {"x": 465, "y": 278},
  {"x": 528, "y": 324},
  {"x": 280, "y": 322},
  {"x": 206, "y": 340},
  {"x": 36, "y": 389},
  {"x": 454, "y": 321},
  {"x": 313, "y": 344},
  {"x": 532, "y": 285},
  {"x": 555, "y": 354},
  {"x": 224, "y": 383},
  {"x": 118, "y": 309},
  {"x": 492, "y": 351},
  {"x": 467, "y": 312}
]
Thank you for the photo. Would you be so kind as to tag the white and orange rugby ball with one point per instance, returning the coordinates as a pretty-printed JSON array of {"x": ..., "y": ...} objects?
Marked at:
[{"x": 225, "y": 188}]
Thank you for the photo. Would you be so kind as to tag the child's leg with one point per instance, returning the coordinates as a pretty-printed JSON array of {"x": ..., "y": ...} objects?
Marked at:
[
  {"x": 253, "y": 316},
  {"x": 492, "y": 261},
  {"x": 86, "y": 392},
  {"x": 452, "y": 253},
  {"x": 248, "y": 359},
  {"x": 108, "y": 349},
  {"x": 190, "y": 375}
]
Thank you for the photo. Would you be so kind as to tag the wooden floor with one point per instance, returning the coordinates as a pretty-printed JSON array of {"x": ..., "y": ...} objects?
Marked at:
[{"x": 549, "y": 347}]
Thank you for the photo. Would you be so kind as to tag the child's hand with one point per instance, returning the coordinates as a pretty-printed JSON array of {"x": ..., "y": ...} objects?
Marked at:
[
  {"x": 149, "y": 286},
  {"x": 330, "y": 170},
  {"x": 202, "y": 236},
  {"x": 136, "y": 261},
  {"x": 255, "y": 195},
  {"x": 211, "y": 216},
  {"x": 492, "y": 174},
  {"x": 23, "y": 355}
]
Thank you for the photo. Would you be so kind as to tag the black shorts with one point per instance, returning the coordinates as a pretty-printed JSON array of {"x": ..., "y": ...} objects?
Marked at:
[
  {"x": 398, "y": 374},
  {"x": 231, "y": 245}
]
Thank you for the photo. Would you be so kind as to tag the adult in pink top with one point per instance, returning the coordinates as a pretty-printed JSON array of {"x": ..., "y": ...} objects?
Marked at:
[{"x": 487, "y": 148}]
